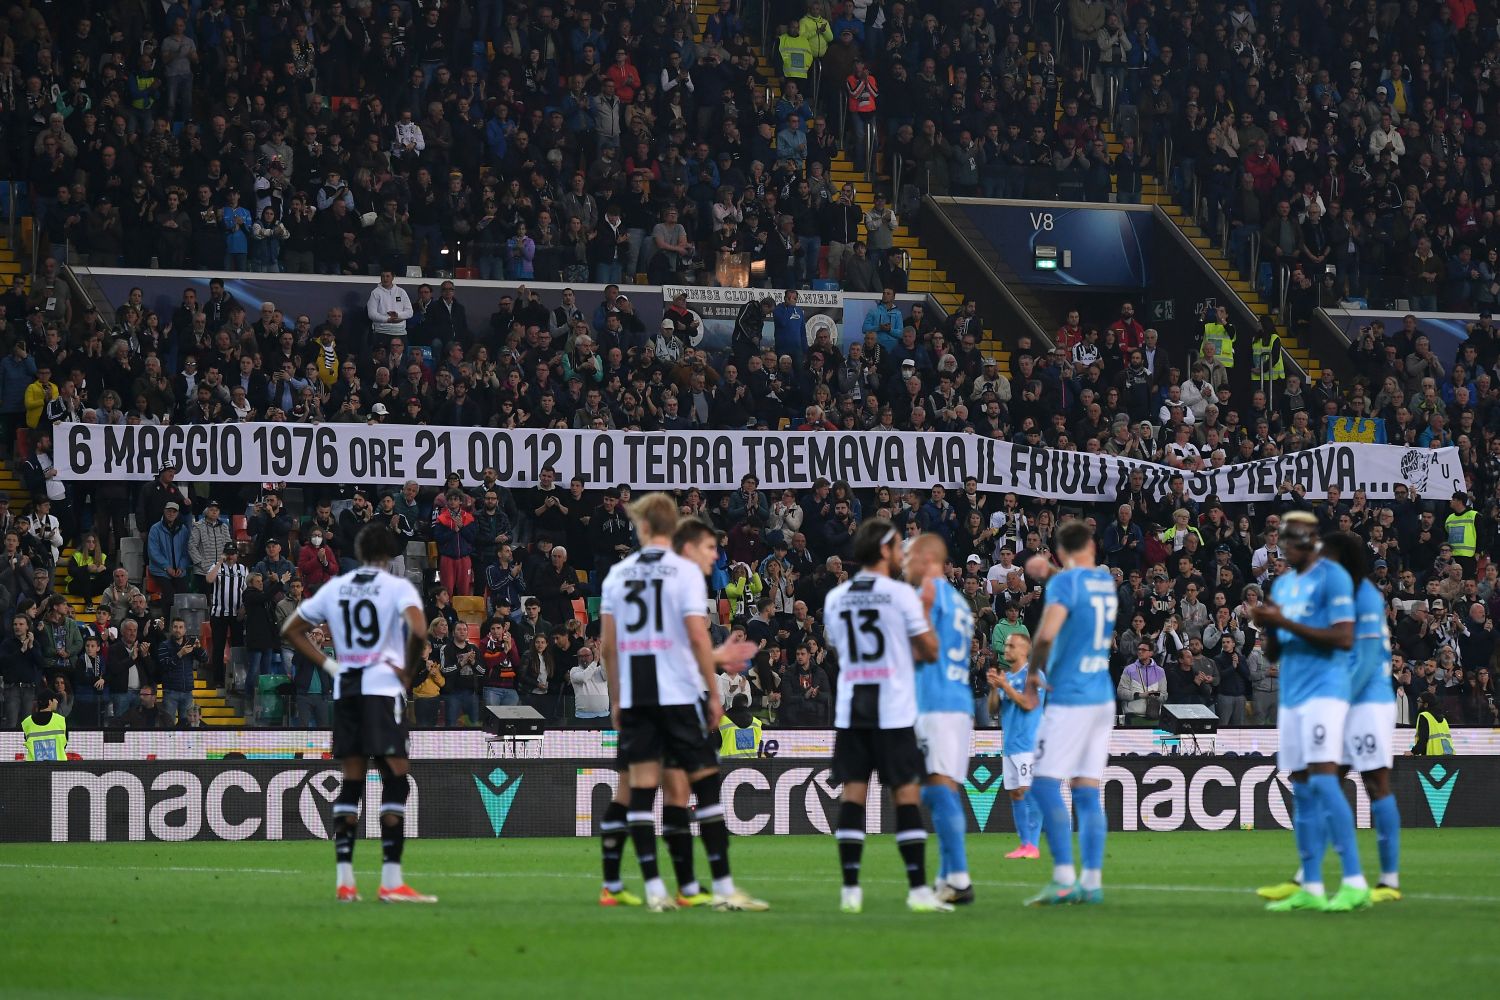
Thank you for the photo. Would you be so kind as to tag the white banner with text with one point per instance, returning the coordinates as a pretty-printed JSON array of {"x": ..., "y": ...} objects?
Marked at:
[{"x": 713, "y": 460}]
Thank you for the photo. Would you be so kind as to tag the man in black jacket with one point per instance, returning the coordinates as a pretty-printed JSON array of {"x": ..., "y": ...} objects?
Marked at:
[
  {"x": 610, "y": 535},
  {"x": 20, "y": 669},
  {"x": 805, "y": 694}
]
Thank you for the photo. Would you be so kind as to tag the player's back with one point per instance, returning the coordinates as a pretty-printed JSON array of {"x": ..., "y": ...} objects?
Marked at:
[
  {"x": 1370, "y": 672},
  {"x": 650, "y": 594},
  {"x": 1320, "y": 596},
  {"x": 870, "y": 620},
  {"x": 365, "y": 612},
  {"x": 943, "y": 684},
  {"x": 1078, "y": 664},
  {"x": 1017, "y": 725}
]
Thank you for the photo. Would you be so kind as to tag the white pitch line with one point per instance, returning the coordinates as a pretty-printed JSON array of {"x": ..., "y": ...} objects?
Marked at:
[{"x": 1123, "y": 886}]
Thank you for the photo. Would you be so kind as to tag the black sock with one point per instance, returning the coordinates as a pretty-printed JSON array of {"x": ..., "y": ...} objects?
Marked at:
[
  {"x": 345, "y": 832},
  {"x": 851, "y": 838},
  {"x": 674, "y": 830},
  {"x": 643, "y": 831},
  {"x": 711, "y": 828},
  {"x": 346, "y": 819},
  {"x": 612, "y": 834},
  {"x": 911, "y": 839},
  {"x": 395, "y": 788},
  {"x": 392, "y": 837}
]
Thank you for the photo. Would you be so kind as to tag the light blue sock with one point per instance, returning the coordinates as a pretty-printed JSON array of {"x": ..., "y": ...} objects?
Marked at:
[
  {"x": 1340, "y": 820},
  {"x": 1307, "y": 828},
  {"x": 1033, "y": 820},
  {"x": 1091, "y": 826},
  {"x": 952, "y": 840},
  {"x": 935, "y": 804},
  {"x": 1021, "y": 810},
  {"x": 1055, "y": 820},
  {"x": 948, "y": 819},
  {"x": 1387, "y": 820}
]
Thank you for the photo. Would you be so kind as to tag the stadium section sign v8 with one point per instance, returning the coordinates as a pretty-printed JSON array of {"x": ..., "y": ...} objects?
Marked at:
[
  {"x": 383, "y": 453},
  {"x": 293, "y": 800}
]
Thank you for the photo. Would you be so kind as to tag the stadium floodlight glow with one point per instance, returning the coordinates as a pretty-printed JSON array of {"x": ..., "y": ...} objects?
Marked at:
[{"x": 1044, "y": 258}]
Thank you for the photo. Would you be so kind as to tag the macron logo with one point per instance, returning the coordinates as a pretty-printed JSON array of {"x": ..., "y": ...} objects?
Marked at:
[
  {"x": 498, "y": 793},
  {"x": 1437, "y": 788},
  {"x": 981, "y": 790}
]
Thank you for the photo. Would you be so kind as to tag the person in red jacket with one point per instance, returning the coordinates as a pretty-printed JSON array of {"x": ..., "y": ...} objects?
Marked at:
[
  {"x": 500, "y": 656},
  {"x": 316, "y": 563},
  {"x": 454, "y": 531},
  {"x": 1128, "y": 330}
]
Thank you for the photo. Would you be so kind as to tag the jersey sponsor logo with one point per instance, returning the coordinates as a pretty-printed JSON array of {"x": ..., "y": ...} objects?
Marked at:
[
  {"x": 497, "y": 792},
  {"x": 231, "y": 805},
  {"x": 1437, "y": 785}
]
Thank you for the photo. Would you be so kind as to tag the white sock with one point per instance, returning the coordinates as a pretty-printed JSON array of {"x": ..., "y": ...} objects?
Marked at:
[
  {"x": 1391, "y": 879},
  {"x": 614, "y": 886},
  {"x": 918, "y": 891},
  {"x": 1298, "y": 877},
  {"x": 1313, "y": 888},
  {"x": 1355, "y": 882},
  {"x": 656, "y": 887},
  {"x": 724, "y": 886},
  {"x": 958, "y": 880},
  {"x": 390, "y": 875},
  {"x": 1063, "y": 874},
  {"x": 346, "y": 872},
  {"x": 1091, "y": 878},
  {"x": 691, "y": 889}
]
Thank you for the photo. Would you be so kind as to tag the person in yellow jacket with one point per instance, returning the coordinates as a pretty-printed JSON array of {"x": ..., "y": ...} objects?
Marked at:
[
  {"x": 816, "y": 29},
  {"x": 739, "y": 731},
  {"x": 1433, "y": 738},
  {"x": 38, "y": 395},
  {"x": 1220, "y": 332},
  {"x": 1462, "y": 529},
  {"x": 45, "y": 730},
  {"x": 796, "y": 53},
  {"x": 1267, "y": 359}
]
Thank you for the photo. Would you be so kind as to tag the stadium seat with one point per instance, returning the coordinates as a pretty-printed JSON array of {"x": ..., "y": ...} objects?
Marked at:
[
  {"x": 23, "y": 446},
  {"x": 581, "y": 610},
  {"x": 592, "y": 604},
  {"x": 726, "y": 611},
  {"x": 133, "y": 557},
  {"x": 416, "y": 556},
  {"x": 153, "y": 592},
  {"x": 583, "y": 575},
  {"x": 466, "y": 605},
  {"x": 239, "y": 525}
]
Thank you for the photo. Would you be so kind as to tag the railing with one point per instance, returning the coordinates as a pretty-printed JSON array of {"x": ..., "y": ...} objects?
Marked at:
[{"x": 870, "y": 139}]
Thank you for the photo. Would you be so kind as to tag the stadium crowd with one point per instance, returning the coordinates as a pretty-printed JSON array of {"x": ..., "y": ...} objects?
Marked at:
[{"x": 332, "y": 137}]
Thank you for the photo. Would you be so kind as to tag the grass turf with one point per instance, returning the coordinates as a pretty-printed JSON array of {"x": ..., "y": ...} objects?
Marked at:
[{"x": 519, "y": 917}]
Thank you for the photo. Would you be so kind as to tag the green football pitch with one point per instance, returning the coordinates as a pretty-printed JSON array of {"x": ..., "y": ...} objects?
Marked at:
[{"x": 520, "y": 918}]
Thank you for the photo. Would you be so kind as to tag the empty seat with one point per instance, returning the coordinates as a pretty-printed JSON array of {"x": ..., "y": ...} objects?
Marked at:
[{"x": 133, "y": 557}]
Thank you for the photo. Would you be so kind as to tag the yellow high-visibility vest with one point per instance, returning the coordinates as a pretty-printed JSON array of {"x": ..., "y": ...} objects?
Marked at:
[
  {"x": 1463, "y": 533},
  {"x": 796, "y": 56},
  {"x": 737, "y": 742},
  {"x": 1260, "y": 349},
  {"x": 1439, "y": 740},
  {"x": 46, "y": 740},
  {"x": 1218, "y": 335}
]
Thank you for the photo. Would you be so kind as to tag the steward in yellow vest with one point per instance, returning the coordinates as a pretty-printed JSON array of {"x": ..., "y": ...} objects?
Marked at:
[
  {"x": 1267, "y": 360},
  {"x": 1220, "y": 333},
  {"x": 796, "y": 53},
  {"x": 45, "y": 730},
  {"x": 739, "y": 731},
  {"x": 1462, "y": 528},
  {"x": 1433, "y": 737}
]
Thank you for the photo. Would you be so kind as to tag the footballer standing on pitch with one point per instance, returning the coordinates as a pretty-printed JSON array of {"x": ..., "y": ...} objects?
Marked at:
[
  {"x": 378, "y": 629},
  {"x": 660, "y": 661},
  {"x": 878, "y": 625}
]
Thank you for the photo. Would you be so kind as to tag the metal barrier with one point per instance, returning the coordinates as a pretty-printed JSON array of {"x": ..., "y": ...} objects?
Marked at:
[{"x": 870, "y": 138}]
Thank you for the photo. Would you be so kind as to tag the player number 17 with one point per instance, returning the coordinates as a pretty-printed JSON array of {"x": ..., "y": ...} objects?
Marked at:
[{"x": 1104, "y": 618}]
